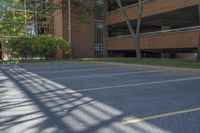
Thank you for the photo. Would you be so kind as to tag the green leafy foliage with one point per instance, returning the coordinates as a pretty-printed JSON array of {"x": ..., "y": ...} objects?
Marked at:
[
  {"x": 23, "y": 17},
  {"x": 11, "y": 21},
  {"x": 42, "y": 46}
]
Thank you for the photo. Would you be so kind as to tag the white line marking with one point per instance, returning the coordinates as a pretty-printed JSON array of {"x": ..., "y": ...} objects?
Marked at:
[
  {"x": 80, "y": 70},
  {"x": 137, "y": 120},
  {"x": 140, "y": 84},
  {"x": 107, "y": 75},
  {"x": 55, "y": 67}
]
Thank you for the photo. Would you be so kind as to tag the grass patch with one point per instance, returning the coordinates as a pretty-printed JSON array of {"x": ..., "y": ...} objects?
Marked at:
[
  {"x": 150, "y": 61},
  {"x": 143, "y": 61}
]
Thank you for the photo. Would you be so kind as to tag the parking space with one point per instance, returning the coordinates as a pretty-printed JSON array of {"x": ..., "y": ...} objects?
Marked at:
[{"x": 78, "y": 97}]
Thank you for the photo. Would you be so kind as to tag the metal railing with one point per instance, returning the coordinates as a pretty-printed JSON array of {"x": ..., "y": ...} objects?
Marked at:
[
  {"x": 193, "y": 28},
  {"x": 134, "y": 4}
]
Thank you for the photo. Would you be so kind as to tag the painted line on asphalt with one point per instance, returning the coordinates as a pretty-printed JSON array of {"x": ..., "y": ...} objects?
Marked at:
[
  {"x": 69, "y": 70},
  {"x": 92, "y": 76},
  {"x": 153, "y": 117},
  {"x": 79, "y": 70},
  {"x": 132, "y": 85},
  {"x": 56, "y": 67},
  {"x": 108, "y": 75}
]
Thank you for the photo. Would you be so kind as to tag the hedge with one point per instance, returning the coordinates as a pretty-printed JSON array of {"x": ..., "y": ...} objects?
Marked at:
[{"x": 42, "y": 46}]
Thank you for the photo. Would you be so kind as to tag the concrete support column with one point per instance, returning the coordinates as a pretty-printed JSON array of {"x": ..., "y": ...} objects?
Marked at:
[
  {"x": 165, "y": 55},
  {"x": 164, "y": 27}
]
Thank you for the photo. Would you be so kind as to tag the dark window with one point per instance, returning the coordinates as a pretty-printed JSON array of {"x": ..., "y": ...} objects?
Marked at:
[{"x": 99, "y": 28}]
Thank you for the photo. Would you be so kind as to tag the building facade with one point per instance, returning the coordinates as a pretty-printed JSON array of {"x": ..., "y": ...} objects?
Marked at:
[{"x": 169, "y": 29}]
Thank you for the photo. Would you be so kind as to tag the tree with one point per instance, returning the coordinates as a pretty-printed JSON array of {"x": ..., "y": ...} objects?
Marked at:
[
  {"x": 22, "y": 17},
  {"x": 11, "y": 22},
  {"x": 135, "y": 36},
  {"x": 139, "y": 17}
]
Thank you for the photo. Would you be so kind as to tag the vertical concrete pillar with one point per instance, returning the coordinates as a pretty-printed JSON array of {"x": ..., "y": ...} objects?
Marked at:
[
  {"x": 165, "y": 55},
  {"x": 164, "y": 27}
]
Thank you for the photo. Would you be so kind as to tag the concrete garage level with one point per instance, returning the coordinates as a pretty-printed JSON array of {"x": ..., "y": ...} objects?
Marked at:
[{"x": 81, "y": 97}]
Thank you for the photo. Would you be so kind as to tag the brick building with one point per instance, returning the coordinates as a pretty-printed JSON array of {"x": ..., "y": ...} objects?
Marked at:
[{"x": 169, "y": 29}]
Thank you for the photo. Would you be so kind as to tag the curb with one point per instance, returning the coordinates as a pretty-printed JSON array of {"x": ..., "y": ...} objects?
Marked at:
[{"x": 164, "y": 68}]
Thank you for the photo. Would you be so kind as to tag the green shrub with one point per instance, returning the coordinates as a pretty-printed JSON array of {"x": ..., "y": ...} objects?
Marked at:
[{"x": 42, "y": 46}]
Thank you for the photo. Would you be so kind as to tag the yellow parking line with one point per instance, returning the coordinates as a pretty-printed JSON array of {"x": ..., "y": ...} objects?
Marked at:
[{"x": 131, "y": 121}]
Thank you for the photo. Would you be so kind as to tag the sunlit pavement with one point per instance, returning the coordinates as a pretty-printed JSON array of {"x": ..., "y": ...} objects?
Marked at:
[{"x": 82, "y": 97}]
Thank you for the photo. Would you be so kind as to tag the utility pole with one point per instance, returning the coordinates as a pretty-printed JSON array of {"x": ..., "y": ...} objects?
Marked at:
[
  {"x": 36, "y": 17},
  {"x": 25, "y": 17},
  {"x": 13, "y": 10},
  {"x": 70, "y": 29},
  {"x": 198, "y": 56}
]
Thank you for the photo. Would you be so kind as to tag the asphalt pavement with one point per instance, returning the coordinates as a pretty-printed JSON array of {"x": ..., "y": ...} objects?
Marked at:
[{"x": 82, "y": 97}]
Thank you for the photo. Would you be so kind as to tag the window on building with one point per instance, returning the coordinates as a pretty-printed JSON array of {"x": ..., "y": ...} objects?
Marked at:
[
  {"x": 99, "y": 48},
  {"x": 112, "y": 5}
]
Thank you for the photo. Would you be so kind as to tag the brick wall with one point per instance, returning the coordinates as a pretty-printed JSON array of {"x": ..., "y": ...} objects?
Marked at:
[
  {"x": 82, "y": 32},
  {"x": 151, "y": 7},
  {"x": 183, "y": 39}
]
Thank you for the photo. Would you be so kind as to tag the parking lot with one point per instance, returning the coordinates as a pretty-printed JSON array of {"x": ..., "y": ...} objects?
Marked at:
[{"x": 82, "y": 97}]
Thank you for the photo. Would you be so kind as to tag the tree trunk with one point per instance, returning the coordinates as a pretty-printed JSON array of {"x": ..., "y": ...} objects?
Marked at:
[
  {"x": 198, "y": 56},
  {"x": 139, "y": 17},
  {"x": 137, "y": 43}
]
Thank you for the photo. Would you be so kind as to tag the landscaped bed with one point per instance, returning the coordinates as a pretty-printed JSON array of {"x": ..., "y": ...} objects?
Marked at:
[{"x": 144, "y": 61}]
